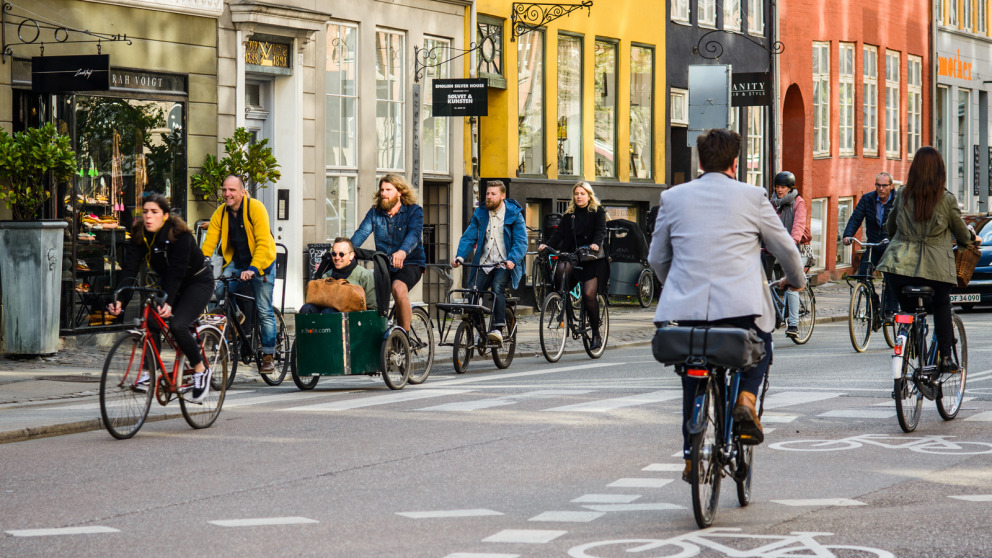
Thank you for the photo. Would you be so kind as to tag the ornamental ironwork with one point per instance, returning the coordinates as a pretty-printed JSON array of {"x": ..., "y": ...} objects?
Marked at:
[
  {"x": 30, "y": 31},
  {"x": 527, "y": 17}
]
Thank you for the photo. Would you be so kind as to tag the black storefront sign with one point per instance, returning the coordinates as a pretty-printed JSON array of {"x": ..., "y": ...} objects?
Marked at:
[
  {"x": 978, "y": 171},
  {"x": 751, "y": 90},
  {"x": 62, "y": 74},
  {"x": 990, "y": 170},
  {"x": 460, "y": 97}
]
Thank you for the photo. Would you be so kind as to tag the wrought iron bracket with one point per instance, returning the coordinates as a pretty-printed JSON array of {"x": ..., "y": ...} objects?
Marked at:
[
  {"x": 428, "y": 58},
  {"x": 713, "y": 49},
  {"x": 30, "y": 30},
  {"x": 527, "y": 17}
]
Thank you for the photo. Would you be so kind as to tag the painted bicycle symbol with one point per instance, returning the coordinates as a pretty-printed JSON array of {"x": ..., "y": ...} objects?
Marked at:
[
  {"x": 797, "y": 543},
  {"x": 940, "y": 445}
]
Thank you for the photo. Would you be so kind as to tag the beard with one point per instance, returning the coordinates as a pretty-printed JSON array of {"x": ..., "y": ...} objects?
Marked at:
[
  {"x": 493, "y": 205},
  {"x": 388, "y": 204}
]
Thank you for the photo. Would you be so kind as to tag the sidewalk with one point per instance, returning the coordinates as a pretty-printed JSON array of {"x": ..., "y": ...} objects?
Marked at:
[{"x": 55, "y": 395}]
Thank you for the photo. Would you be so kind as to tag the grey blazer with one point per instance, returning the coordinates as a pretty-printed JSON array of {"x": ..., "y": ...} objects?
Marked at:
[{"x": 706, "y": 251}]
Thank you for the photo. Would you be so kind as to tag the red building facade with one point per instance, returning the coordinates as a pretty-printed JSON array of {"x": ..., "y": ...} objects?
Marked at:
[{"x": 854, "y": 94}]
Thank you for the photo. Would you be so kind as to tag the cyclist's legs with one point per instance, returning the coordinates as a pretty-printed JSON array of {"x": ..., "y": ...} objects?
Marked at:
[
  {"x": 496, "y": 280},
  {"x": 262, "y": 287},
  {"x": 189, "y": 305},
  {"x": 590, "y": 288},
  {"x": 403, "y": 280},
  {"x": 941, "y": 306},
  {"x": 792, "y": 306}
]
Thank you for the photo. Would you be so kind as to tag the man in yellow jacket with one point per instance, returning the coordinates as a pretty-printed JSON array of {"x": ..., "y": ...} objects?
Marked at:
[{"x": 241, "y": 226}]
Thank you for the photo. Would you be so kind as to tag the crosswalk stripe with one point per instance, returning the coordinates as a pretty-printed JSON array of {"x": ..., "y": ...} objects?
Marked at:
[
  {"x": 261, "y": 521},
  {"x": 503, "y": 401},
  {"x": 981, "y": 417},
  {"x": 604, "y": 405},
  {"x": 384, "y": 399},
  {"x": 789, "y": 398},
  {"x": 261, "y": 399},
  {"x": 62, "y": 531}
]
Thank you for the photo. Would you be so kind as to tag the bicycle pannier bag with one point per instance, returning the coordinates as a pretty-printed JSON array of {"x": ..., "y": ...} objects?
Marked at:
[
  {"x": 336, "y": 293},
  {"x": 965, "y": 262},
  {"x": 727, "y": 347}
]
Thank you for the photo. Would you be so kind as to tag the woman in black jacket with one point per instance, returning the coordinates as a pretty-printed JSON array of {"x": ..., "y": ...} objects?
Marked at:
[
  {"x": 164, "y": 243},
  {"x": 583, "y": 225}
]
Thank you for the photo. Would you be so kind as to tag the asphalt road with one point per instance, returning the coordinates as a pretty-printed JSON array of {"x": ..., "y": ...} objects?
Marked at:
[{"x": 538, "y": 460}]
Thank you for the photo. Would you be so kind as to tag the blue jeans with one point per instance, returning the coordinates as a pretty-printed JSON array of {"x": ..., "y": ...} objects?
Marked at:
[
  {"x": 792, "y": 307},
  {"x": 262, "y": 287},
  {"x": 497, "y": 279}
]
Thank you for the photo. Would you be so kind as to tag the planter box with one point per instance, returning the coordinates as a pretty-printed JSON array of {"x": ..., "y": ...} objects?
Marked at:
[{"x": 31, "y": 273}]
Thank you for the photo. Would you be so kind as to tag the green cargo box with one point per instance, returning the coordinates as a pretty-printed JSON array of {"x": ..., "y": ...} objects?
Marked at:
[{"x": 339, "y": 344}]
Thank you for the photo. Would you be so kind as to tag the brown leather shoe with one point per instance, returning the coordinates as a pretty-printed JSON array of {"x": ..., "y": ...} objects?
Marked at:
[
  {"x": 268, "y": 365},
  {"x": 687, "y": 472},
  {"x": 746, "y": 415}
]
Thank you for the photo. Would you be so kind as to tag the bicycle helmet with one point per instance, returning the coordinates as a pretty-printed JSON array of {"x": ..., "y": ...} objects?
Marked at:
[{"x": 785, "y": 178}]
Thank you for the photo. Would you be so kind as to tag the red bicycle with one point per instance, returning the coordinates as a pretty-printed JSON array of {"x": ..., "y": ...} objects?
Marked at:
[{"x": 131, "y": 372}]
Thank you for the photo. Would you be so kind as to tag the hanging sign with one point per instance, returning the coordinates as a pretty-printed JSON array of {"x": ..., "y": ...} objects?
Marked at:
[
  {"x": 61, "y": 74},
  {"x": 460, "y": 97},
  {"x": 751, "y": 89}
]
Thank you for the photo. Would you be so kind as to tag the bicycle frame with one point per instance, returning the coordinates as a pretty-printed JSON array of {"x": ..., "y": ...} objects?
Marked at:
[
  {"x": 172, "y": 379},
  {"x": 474, "y": 308},
  {"x": 231, "y": 311},
  {"x": 728, "y": 389},
  {"x": 568, "y": 296}
]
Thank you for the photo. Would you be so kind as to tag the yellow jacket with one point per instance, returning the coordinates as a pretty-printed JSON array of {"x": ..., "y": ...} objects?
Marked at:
[{"x": 263, "y": 246}]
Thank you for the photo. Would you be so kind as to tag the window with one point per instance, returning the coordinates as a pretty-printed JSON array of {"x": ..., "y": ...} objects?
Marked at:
[
  {"x": 756, "y": 17},
  {"x": 680, "y": 11},
  {"x": 892, "y": 104},
  {"x": 914, "y": 104},
  {"x": 389, "y": 90},
  {"x": 844, "y": 208},
  {"x": 821, "y": 99},
  {"x": 706, "y": 13},
  {"x": 940, "y": 12},
  {"x": 569, "y": 105},
  {"x": 435, "y": 130},
  {"x": 942, "y": 140},
  {"x": 963, "y": 152},
  {"x": 680, "y": 107},
  {"x": 952, "y": 13},
  {"x": 756, "y": 146},
  {"x": 817, "y": 228},
  {"x": 341, "y": 100},
  {"x": 490, "y": 37},
  {"x": 641, "y": 112},
  {"x": 869, "y": 89},
  {"x": 966, "y": 15},
  {"x": 732, "y": 15},
  {"x": 530, "y": 103},
  {"x": 605, "y": 129},
  {"x": 981, "y": 18},
  {"x": 845, "y": 91},
  {"x": 340, "y": 207}
]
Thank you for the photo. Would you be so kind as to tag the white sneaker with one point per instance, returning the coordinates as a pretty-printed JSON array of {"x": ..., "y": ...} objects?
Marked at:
[
  {"x": 143, "y": 381},
  {"x": 201, "y": 385},
  {"x": 496, "y": 336}
]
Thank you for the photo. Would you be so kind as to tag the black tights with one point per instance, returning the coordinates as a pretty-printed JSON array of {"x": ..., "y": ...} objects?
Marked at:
[{"x": 590, "y": 288}]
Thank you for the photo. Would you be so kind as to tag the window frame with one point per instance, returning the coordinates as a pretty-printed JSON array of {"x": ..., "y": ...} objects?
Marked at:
[
  {"x": 869, "y": 122},
  {"x": 681, "y": 97},
  {"x": 357, "y": 100},
  {"x": 821, "y": 102},
  {"x": 732, "y": 11},
  {"x": 542, "y": 85},
  {"x": 842, "y": 257},
  {"x": 952, "y": 13},
  {"x": 967, "y": 15},
  {"x": 893, "y": 99},
  {"x": 577, "y": 162},
  {"x": 914, "y": 104},
  {"x": 681, "y": 11},
  {"x": 756, "y": 17},
  {"x": 981, "y": 17},
  {"x": 756, "y": 138},
  {"x": 706, "y": 16},
  {"x": 817, "y": 229},
  {"x": 613, "y": 44},
  {"x": 395, "y": 104},
  {"x": 648, "y": 152},
  {"x": 845, "y": 110},
  {"x": 349, "y": 221},
  {"x": 494, "y": 25}
]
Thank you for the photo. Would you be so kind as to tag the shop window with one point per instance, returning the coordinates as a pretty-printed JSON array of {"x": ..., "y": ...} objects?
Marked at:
[
  {"x": 530, "y": 104},
  {"x": 435, "y": 130},
  {"x": 962, "y": 155},
  {"x": 641, "y": 112},
  {"x": 390, "y": 89},
  {"x": 706, "y": 13},
  {"x": 605, "y": 92},
  {"x": 817, "y": 227},
  {"x": 942, "y": 140},
  {"x": 569, "y": 127},
  {"x": 844, "y": 208},
  {"x": 341, "y": 101},
  {"x": 845, "y": 90},
  {"x": 340, "y": 207},
  {"x": 869, "y": 89}
]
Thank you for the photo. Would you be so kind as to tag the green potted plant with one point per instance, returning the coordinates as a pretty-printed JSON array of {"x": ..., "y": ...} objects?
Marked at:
[
  {"x": 31, "y": 162},
  {"x": 253, "y": 162}
]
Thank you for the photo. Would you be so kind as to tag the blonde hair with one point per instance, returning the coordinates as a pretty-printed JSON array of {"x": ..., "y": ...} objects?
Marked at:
[
  {"x": 593, "y": 204},
  {"x": 407, "y": 195}
]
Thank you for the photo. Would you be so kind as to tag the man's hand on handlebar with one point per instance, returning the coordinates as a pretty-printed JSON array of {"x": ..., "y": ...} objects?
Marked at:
[
  {"x": 456, "y": 262},
  {"x": 247, "y": 274},
  {"x": 114, "y": 308},
  {"x": 847, "y": 241},
  {"x": 782, "y": 284}
]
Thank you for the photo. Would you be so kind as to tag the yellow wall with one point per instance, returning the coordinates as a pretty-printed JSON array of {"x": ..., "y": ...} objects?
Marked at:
[{"x": 626, "y": 21}]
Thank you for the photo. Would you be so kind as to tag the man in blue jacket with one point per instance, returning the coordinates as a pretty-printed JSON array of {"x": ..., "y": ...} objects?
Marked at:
[
  {"x": 873, "y": 208},
  {"x": 498, "y": 234}
]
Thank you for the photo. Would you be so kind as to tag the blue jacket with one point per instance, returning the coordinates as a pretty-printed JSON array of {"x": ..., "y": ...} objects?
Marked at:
[
  {"x": 514, "y": 236},
  {"x": 403, "y": 231},
  {"x": 865, "y": 211}
]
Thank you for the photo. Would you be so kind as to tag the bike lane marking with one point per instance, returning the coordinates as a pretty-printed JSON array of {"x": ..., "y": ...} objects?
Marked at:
[
  {"x": 814, "y": 502},
  {"x": 525, "y": 536},
  {"x": 606, "y": 498},
  {"x": 94, "y": 530},
  {"x": 567, "y": 516},
  {"x": 860, "y": 413},
  {"x": 481, "y": 555},
  {"x": 982, "y": 417},
  {"x": 641, "y": 482}
]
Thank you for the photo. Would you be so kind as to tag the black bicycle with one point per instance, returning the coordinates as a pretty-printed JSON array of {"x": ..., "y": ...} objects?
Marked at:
[
  {"x": 558, "y": 318},
  {"x": 915, "y": 371},
  {"x": 866, "y": 312}
]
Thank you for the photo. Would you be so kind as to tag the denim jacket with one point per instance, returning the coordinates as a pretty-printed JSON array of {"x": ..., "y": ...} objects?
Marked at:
[{"x": 403, "y": 231}]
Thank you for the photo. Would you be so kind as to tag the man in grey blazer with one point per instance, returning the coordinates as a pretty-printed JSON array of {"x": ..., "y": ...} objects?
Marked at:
[{"x": 706, "y": 251}]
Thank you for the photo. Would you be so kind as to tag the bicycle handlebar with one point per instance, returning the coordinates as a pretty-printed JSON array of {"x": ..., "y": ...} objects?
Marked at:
[
  {"x": 501, "y": 265},
  {"x": 869, "y": 244}
]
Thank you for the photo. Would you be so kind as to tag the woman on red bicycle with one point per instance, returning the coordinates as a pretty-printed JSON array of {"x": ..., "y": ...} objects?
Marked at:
[{"x": 165, "y": 244}]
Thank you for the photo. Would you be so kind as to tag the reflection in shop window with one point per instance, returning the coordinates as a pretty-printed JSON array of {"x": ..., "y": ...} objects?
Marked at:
[
  {"x": 340, "y": 207},
  {"x": 641, "y": 111},
  {"x": 389, "y": 90},
  {"x": 569, "y": 105},
  {"x": 606, "y": 109},
  {"x": 817, "y": 227},
  {"x": 530, "y": 103}
]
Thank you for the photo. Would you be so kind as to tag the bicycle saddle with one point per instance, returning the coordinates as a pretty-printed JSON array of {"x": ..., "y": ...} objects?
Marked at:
[{"x": 918, "y": 291}]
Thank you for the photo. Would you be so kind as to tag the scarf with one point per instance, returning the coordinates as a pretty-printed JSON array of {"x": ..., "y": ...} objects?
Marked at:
[
  {"x": 786, "y": 208},
  {"x": 344, "y": 272}
]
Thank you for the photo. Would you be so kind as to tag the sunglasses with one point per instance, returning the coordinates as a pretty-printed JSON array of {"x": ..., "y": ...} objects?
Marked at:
[{"x": 339, "y": 254}]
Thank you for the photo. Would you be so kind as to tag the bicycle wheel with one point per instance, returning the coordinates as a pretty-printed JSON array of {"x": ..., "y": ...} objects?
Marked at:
[
  {"x": 305, "y": 383},
  {"x": 604, "y": 330},
  {"x": 859, "y": 317},
  {"x": 909, "y": 400},
  {"x": 537, "y": 280},
  {"x": 281, "y": 356},
  {"x": 553, "y": 327},
  {"x": 807, "y": 316},
  {"x": 706, "y": 473},
  {"x": 951, "y": 388},
  {"x": 421, "y": 346},
  {"x": 503, "y": 355},
  {"x": 645, "y": 288},
  {"x": 463, "y": 346},
  {"x": 216, "y": 357},
  {"x": 123, "y": 406},
  {"x": 396, "y": 359},
  {"x": 742, "y": 476}
]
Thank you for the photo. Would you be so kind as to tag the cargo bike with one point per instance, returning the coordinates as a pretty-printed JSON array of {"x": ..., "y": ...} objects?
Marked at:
[{"x": 366, "y": 342}]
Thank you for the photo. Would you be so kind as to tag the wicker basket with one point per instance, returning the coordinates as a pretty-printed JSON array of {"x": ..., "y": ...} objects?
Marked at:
[{"x": 965, "y": 262}]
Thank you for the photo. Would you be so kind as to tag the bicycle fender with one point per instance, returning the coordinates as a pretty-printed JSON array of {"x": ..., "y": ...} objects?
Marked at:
[{"x": 698, "y": 417}]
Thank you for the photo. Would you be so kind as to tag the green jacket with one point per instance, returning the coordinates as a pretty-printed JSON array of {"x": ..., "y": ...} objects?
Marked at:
[
  {"x": 364, "y": 278},
  {"x": 924, "y": 249}
]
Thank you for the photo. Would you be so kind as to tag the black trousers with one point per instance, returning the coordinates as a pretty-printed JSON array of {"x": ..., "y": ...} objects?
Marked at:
[
  {"x": 190, "y": 303},
  {"x": 941, "y": 306}
]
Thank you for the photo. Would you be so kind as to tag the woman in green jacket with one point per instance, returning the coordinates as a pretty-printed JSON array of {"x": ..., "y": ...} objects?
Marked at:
[{"x": 923, "y": 219}]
